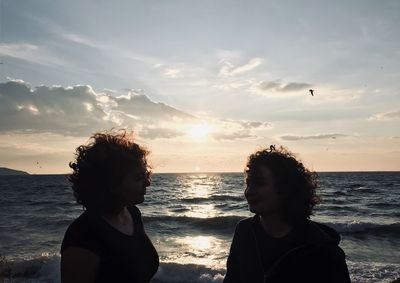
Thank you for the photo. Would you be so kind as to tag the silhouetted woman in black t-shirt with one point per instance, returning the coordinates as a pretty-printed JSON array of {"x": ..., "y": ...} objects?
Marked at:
[{"x": 107, "y": 242}]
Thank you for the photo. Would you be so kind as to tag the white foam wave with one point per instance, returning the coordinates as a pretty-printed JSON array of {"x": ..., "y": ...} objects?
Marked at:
[
  {"x": 182, "y": 273},
  {"x": 365, "y": 227},
  {"x": 373, "y": 272},
  {"x": 44, "y": 269}
]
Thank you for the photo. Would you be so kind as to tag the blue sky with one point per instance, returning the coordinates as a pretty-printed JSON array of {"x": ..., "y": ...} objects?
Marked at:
[{"x": 202, "y": 83}]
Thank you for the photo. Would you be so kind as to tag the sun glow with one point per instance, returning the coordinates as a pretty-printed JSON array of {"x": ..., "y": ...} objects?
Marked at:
[
  {"x": 199, "y": 242},
  {"x": 199, "y": 250},
  {"x": 199, "y": 131}
]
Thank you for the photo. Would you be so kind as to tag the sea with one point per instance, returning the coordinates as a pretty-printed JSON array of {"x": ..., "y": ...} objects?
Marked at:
[{"x": 191, "y": 218}]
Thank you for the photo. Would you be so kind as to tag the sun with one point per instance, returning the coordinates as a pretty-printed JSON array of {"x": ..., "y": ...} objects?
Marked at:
[{"x": 199, "y": 131}]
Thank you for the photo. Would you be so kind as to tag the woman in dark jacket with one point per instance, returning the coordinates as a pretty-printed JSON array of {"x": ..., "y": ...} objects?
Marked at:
[
  {"x": 280, "y": 243},
  {"x": 107, "y": 242}
]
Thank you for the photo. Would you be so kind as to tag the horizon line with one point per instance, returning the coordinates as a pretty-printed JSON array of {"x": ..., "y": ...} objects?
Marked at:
[{"x": 236, "y": 172}]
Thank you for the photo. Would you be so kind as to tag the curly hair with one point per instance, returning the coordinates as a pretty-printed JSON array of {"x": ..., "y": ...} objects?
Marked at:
[
  {"x": 100, "y": 167},
  {"x": 295, "y": 184}
]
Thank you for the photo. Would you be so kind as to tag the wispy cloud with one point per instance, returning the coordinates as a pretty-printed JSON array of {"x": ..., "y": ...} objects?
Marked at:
[
  {"x": 246, "y": 124},
  {"x": 30, "y": 52},
  {"x": 385, "y": 116},
  {"x": 312, "y": 137},
  {"x": 322, "y": 93},
  {"x": 229, "y": 129},
  {"x": 244, "y": 134},
  {"x": 80, "y": 39},
  {"x": 283, "y": 87},
  {"x": 160, "y": 133},
  {"x": 255, "y": 124},
  {"x": 173, "y": 72},
  {"x": 229, "y": 70},
  {"x": 104, "y": 46}
]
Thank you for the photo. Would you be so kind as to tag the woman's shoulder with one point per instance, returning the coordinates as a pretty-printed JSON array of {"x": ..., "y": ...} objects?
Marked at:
[
  {"x": 325, "y": 240},
  {"x": 79, "y": 224},
  {"x": 79, "y": 233},
  {"x": 245, "y": 225},
  {"x": 321, "y": 234}
]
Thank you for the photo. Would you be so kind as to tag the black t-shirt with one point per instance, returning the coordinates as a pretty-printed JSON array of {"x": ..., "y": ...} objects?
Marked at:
[
  {"x": 271, "y": 249},
  {"x": 123, "y": 258}
]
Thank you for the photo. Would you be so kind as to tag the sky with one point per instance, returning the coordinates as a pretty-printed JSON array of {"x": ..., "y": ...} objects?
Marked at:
[{"x": 202, "y": 84}]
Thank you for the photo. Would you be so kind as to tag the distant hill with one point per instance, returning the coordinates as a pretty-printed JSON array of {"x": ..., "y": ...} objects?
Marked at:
[{"x": 8, "y": 171}]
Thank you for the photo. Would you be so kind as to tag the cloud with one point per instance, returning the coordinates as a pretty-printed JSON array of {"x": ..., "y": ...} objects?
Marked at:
[
  {"x": 233, "y": 136},
  {"x": 31, "y": 53},
  {"x": 234, "y": 84},
  {"x": 80, "y": 111},
  {"x": 314, "y": 137},
  {"x": 392, "y": 115},
  {"x": 229, "y": 70},
  {"x": 322, "y": 93},
  {"x": 159, "y": 133},
  {"x": 228, "y": 129},
  {"x": 69, "y": 111},
  {"x": 106, "y": 47},
  {"x": 79, "y": 39},
  {"x": 278, "y": 86},
  {"x": 173, "y": 72},
  {"x": 255, "y": 124},
  {"x": 140, "y": 105}
]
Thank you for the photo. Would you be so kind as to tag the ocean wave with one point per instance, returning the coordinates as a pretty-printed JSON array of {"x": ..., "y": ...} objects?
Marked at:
[
  {"x": 359, "y": 187},
  {"x": 368, "y": 190},
  {"x": 220, "y": 223},
  {"x": 331, "y": 194},
  {"x": 45, "y": 268},
  {"x": 213, "y": 198},
  {"x": 333, "y": 208},
  {"x": 361, "y": 228},
  {"x": 373, "y": 272},
  {"x": 226, "y": 224},
  {"x": 182, "y": 273},
  {"x": 355, "y": 185},
  {"x": 180, "y": 209},
  {"x": 382, "y": 205}
]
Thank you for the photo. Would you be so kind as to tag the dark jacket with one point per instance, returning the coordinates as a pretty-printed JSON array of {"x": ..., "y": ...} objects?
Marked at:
[{"x": 319, "y": 259}]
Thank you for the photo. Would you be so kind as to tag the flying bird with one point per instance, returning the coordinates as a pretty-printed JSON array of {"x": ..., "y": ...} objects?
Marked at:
[{"x": 311, "y": 91}]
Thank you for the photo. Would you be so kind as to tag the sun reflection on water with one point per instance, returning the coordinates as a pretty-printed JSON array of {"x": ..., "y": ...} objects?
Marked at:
[
  {"x": 199, "y": 250},
  {"x": 199, "y": 242},
  {"x": 196, "y": 199},
  {"x": 202, "y": 211},
  {"x": 199, "y": 185}
]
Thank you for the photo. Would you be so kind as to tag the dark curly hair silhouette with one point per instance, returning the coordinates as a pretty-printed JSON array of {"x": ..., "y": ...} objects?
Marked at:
[
  {"x": 100, "y": 166},
  {"x": 295, "y": 184}
]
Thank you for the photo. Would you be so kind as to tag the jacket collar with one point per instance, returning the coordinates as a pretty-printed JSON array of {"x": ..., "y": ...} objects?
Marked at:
[{"x": 317, "y": 233}]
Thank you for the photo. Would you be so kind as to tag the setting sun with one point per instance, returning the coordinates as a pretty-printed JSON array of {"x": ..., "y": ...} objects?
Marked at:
[{"x": 199, "y": 131}]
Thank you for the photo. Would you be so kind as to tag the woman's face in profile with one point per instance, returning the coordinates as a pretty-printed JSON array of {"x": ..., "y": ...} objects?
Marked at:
[
  {"x": 261, "y": 192},
  {"x": 133, "y": 186}
]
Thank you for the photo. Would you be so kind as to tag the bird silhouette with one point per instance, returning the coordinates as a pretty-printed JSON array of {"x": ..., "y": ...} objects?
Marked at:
[{"x": 312, "y": 92}]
